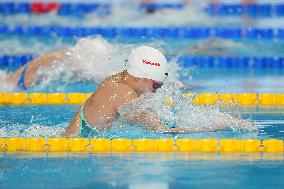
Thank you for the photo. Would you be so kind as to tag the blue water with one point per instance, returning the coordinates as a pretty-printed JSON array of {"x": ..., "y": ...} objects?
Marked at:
[
  {"x": 159, "y": 171},
  {"x": 133, "y": 170},
  {"x": 232, "y": 80},
  {"x": 268, "y": 120},
  {"x": 175, "y": 46}
]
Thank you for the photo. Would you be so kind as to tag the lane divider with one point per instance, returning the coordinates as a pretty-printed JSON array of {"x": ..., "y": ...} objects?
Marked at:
[
  {"x": 252, "y": 10},
  {"x": 73, "y": 9},
  {"x": 231, "y": 62},
  {"x": 78, "y": 9},
  {"x": 140, "y": 145},
  {"x": 15, "y": 61},
  {"x": 242, "y": 99},
  {"x": 173, "y": 32}
]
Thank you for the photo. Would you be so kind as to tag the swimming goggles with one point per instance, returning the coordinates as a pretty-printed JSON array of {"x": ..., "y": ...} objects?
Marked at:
[{"x": 158, "y": 84}]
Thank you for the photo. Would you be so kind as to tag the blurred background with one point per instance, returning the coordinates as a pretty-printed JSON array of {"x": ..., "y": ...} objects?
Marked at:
[{"x": 219, "y": 45}]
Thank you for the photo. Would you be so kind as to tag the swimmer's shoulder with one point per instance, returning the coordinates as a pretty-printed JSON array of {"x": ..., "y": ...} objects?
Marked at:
[
  {"x": 120, "y": 93},
  {"x": 124, "y": 90},
  {"x": 117, "y": 89},
  {"x": 125, "y": 94}
]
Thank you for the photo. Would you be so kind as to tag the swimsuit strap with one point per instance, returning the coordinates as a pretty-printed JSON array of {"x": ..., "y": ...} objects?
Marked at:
[
  {"x": 83, "y": 118},
  {"x": 86, "y": 130},
  {"x": 21, "y": 82}
]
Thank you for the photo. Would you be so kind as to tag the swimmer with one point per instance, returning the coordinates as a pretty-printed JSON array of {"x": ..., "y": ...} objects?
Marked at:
[
  {"x": 83, "y": 60},
  {"x": 77, "y": 59},
  {"x": 146, "y": 71},
  {"x": 27, "y": 75}
]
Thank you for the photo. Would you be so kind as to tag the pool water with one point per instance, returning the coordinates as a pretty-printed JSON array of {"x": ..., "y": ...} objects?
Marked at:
[
  {"x": 147, "y": 170},
  {"x": 50, "y": 121},
  {"x": 130, "y": 170},
  {"x": 171, "y": 46},
  {"x": 235, "y": 80}
]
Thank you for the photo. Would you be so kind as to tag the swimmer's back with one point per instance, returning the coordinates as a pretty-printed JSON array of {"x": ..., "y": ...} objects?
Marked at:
[{"x": 101, "y": 108}]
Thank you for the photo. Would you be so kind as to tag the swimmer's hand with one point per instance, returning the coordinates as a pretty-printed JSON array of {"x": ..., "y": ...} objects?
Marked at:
[
  {"x": 242, "y": 125},
  {"x": 148, "y": 121}
]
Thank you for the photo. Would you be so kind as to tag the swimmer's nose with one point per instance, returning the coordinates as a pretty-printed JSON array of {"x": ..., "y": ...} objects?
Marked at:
[{"x": 156, "y": 84}]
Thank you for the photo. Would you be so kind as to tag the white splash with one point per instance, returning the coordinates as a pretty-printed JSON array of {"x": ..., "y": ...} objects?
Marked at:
[
  {"x": 4, "y": 85},
  {"x": 185, "y": 114},
  {"x": 90, "y": 59},
  {"x": 32, "y": 131}
]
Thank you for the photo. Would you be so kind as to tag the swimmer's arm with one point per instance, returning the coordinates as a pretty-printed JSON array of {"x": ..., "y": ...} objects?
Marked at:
[
  {"x": 74, "y": 126},
  {"x": 44, "y": 61},
  {"x": 243, "y": 125},
  {"x": 189, "y": 130},
  {"x": 149, "y": 122},
  {"x": 126, "y": 95},
  {"x": 154, "y": 124},
  {"x": 145, "y": 119}
]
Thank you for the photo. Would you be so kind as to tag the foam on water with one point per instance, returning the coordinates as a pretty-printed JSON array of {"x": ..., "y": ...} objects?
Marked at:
[
  {"x": 31, "y": 131},
  {"x": 184, "y": 114},
  {"x": 4, "y": 85}
]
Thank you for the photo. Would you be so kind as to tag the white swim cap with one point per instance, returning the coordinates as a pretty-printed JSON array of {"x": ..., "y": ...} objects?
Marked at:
[{"x": 147, "y": 62}]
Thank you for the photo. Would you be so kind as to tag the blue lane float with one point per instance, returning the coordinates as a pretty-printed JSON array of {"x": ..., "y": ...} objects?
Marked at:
[
  {"x": 231, "y": 62},
  {"x": 154, "y": 32},
  {"x": 79, "y": 9},
  {"x": 252, "y": 10},
  {"x": 73, "y": 9},
  {"x": 15, "y": 61},
  {"x": 155, "y": 6},
  {"x": 10, "y": 8}
]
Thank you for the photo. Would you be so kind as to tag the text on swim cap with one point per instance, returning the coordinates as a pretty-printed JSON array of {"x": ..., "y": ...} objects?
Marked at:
[{"x": 151, "y": 63}]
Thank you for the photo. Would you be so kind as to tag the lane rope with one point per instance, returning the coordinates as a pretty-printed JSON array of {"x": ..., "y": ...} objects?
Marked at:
[
  {"x": 163, "y": 32},
  {"x": 15, "y": 61},
  {"x": 79, "y": 9},
  {"x": 140, "y": 145},
  {"x": 251, "y": 10},
  {"x": 228, "y": 99}
]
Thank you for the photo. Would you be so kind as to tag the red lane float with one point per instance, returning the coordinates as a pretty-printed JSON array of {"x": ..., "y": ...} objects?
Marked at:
[{"x": 41, "y": 8}]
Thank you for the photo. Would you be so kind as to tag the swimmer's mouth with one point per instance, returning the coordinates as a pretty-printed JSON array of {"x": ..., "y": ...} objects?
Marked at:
[{"x": 156, "y": 84}]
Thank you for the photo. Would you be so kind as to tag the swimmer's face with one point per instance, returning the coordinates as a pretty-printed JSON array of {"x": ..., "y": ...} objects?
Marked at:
[{"x": 148, "y": 85}]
